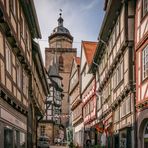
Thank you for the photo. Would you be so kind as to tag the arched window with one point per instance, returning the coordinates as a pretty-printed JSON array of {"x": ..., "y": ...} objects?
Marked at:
[{"x": 145, "y": 136}]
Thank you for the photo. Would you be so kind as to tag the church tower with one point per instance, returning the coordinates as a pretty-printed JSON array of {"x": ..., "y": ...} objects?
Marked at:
[{"x": 60, "y": 50}]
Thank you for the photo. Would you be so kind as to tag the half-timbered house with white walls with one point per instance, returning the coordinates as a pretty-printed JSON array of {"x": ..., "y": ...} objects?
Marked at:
[
  {"x": 141, "y": 49},
  {"x": 76, "y": 103},
  {"x": 18, "y": 27},
  {"x": 114, "y": 68},
  {"x": 87, "y": 91}
]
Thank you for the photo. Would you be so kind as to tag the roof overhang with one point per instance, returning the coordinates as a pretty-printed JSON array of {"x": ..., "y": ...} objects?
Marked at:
[
  {"x": 31, "y": 16},
  {"x": 109, "y": 20},
  {"x": 112, "y": 12},
  {"x": 37, "y": 57}
]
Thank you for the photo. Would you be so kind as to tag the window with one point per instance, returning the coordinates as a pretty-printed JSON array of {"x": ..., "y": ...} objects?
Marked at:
[
  {"x": 99, "y": 102},
  {"x": 123, "y": 109},
  {"x": 25, "y": 84},
  {"x": 59, "y": 44},
  {"x": 91, "y": 105},
  {"x": 145, "y": 62},
  {"x": 8, "y": 57},
  {"x": 145, "y": 7},
  {"x": 117, "y": 28},
  {"x": 13, "y": 6},
  {"x": 117, "y": 115},
  {"x": 42, "y": 130},
  {"x": 118, "y": 75},
  {"x": 22, "y": 140},
  {"x": 18, "y": 71},
  {"x": 128, "y": 105},
  {"x": 8, "y": 137},
  {"x": 145, "y": 135},
  {"x": 22, "y": 26},
  {"x": 16, "y": 139}
]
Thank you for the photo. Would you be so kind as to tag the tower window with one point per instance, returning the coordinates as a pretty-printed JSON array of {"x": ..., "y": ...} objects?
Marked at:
[
  {"x": 59, "y": 44},
  {"x": 61, "y": 62}
]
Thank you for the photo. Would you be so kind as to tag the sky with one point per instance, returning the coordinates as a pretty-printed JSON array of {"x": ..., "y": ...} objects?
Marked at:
[{"x": 83, "y": 18}]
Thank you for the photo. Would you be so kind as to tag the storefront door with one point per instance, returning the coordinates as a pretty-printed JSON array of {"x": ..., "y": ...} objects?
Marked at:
[{"x": 116, "y": 141}]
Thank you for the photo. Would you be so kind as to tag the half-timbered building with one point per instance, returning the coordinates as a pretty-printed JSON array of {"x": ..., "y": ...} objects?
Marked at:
[
  {"x": 76, "y": 103},
  {"x": 141, "y": 50},
  {"x": 50, "y": 125},
  {"x": 39, "y": 91},
  {"x": 114, "y": 68},
  {"x": 18, "y": 26},
  {"x": 87, "y": 90}
]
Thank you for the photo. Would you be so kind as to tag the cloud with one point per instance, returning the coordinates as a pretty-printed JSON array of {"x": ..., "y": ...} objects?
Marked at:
[
  {"x": 89, "y": 5},
  {"x": 81, "y": 17}
]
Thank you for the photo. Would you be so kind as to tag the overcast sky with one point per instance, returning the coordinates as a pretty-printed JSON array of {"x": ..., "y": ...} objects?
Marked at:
[{"x": 82, "y": 18}]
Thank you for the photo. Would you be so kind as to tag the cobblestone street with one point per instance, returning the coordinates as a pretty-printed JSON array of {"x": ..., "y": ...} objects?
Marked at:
[{"x": 58, "y": 146}]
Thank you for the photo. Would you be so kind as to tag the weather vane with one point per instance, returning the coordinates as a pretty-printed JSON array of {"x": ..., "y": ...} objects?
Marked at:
[{"x": 60, "y": 11}]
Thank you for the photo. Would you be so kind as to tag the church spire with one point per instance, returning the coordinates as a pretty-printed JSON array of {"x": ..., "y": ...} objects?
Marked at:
[{"x": 60, "y": 19}]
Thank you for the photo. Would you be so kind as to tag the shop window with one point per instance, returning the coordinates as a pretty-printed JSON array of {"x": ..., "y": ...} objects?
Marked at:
[
  {"x": 123, "y": 141},
  {"x": 16, "y": 139},
  {"x": 22, "y": 140},
  {"x": 145, "y": 62},
  {"x": 146, "y": 136},
  {"x": 42, "y": 130},
  {"x": 8, "y": 137}
]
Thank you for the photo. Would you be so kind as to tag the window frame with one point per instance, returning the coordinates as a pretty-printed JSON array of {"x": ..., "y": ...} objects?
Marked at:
[
  {"x": 9, "y": 59},
  {"x": 13, "y": 7},
  {"x": 144, "y": 8},
  {"x": 42, "y": 130},
  {"x": 144, "y": 63},
  {"x": 19, "y": 75}
]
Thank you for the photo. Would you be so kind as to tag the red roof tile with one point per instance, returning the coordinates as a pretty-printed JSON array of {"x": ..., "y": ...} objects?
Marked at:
[{"x": 89, "y": 49}]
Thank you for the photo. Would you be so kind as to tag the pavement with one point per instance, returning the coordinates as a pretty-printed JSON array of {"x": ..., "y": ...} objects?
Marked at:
[{"x": 58, "y": 146}]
